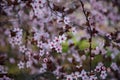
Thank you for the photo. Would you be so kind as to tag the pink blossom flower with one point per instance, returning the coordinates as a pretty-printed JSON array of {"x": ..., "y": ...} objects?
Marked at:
[
  {"x": 21, "y": 65},
  {"x": 103, "y": 74},
  {"x": 22, "y": 49},
  {"x": 28, "y": 64},
  {"x": 62, "y": 38},
  {"x": 66, "y": 20},
  {"x": 58, "y": 49},
  {"x": 69, "y": 77},
  {"x": 52, "y": 45}
]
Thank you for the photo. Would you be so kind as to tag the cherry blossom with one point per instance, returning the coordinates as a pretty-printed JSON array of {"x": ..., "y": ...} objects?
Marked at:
[
  {"x": 103, "y": 74},
  {"x": 114, "y": 66},
  {"x": 62, "y": 38},
  {"x": 22, "y": 49},
  {"x": 66, "y": 20},
  {"x": 28, "y": 64},
  {"x": 52, "y": 45},
  {"x": 69, "y": 77},
  {"x": 39, "y": 44},
  {"x": 21, "y": 65}
]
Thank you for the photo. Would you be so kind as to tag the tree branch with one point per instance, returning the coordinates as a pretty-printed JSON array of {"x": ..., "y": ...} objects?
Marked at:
[{"x": 90, "y": 30}]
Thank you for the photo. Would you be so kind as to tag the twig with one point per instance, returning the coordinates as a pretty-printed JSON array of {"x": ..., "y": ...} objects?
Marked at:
[{"x": 90, "y": 30}]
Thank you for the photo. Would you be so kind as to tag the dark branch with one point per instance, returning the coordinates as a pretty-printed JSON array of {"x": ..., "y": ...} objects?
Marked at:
[{"x": 90, "y": 30}]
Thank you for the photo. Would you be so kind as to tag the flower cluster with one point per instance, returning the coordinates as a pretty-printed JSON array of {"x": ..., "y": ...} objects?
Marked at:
[
  {"x": 5, "y": 78},
  {"x": 15, "y": 37},
  {"x": 102, "y": 69},
  {"x": 38, "y": 7},
  {"x": 56, "y": 43},
  {"x": 83, "y": 75}
]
